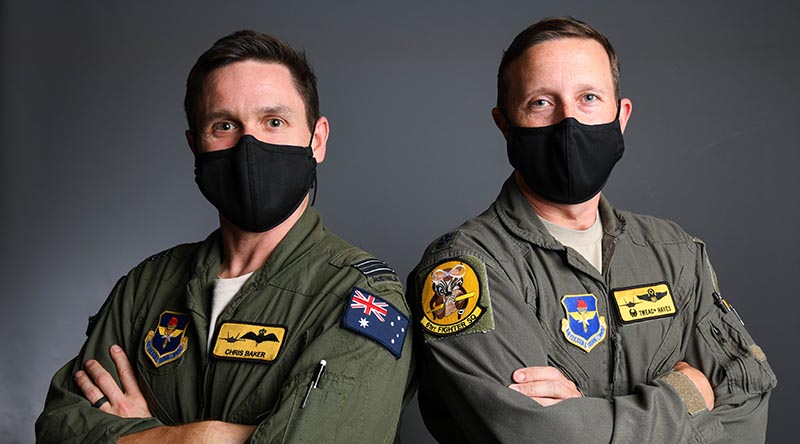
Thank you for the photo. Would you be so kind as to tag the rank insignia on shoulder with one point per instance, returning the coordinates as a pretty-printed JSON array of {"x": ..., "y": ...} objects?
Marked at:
[
  {"x": 168, "y": 341},
  {"x": 158, "y": 255},
  {"x": 451, "y": 299},
  {"x": 248, "y": 342},
  {"x": 373, "y": 267},
  {"x": 582, "y": 325},
  {"x": 446, "y": 241},
  {"x": 644, "y": 302},
  {"x": 377, "y": 319}
]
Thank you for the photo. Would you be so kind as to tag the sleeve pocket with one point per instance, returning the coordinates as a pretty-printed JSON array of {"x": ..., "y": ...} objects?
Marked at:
[
  {"x": 744, "y": 362},
  {"x": 319, "y": 420}
]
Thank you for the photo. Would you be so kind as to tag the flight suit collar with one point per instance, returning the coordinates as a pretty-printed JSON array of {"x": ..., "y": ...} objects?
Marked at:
[
  {"x": 519, "y": 217},
  {"x": 306, "y": 232}
]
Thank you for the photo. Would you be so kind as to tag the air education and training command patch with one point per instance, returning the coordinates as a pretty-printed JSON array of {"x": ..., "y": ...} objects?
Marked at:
[
  {"x": 249, "y": 342},
  {"x": 644, "y": 302},
  {"x": 450, "y": 299},
  {"x": 583, "y": 326},
  {"x": 168, "y": 341}
]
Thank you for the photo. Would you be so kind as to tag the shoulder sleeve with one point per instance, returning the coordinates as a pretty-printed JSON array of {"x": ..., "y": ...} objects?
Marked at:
[
  {"x": 734, "y": 364},
  {"x": 367, "y": 377},
  {"x": 68, "y": 416}
]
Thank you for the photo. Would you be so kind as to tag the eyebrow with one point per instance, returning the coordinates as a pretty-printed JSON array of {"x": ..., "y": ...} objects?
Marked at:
[{"x": 281, "y": 110}]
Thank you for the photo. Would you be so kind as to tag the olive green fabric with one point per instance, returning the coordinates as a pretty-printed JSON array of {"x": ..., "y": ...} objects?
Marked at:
[
  {"x": 464, "y": 394},
  {"x": 304, "y": 286}
]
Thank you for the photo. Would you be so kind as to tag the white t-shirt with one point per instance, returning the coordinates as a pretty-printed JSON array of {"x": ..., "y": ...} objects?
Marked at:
[{"x": 224, "y": 291}]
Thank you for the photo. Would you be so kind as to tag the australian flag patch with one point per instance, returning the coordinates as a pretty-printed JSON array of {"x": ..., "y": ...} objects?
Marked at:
[{"x": 373, "y": 317}]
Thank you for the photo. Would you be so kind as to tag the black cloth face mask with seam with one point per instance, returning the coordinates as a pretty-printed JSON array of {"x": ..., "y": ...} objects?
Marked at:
[
  {"x": 254, "y": 184},
  {"x": 568, "y": 162}
]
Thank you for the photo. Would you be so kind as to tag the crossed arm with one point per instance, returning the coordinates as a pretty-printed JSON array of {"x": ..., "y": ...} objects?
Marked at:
[
  {"x": 548, "y": 386},
  {"x": 128, "y": 402},
  {"x": 545, "y": 385}
]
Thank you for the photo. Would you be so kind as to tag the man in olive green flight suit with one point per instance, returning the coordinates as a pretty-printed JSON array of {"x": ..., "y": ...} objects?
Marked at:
[
  {"x": 553, "y": 317},
  {"x": 270, "y": 330}
]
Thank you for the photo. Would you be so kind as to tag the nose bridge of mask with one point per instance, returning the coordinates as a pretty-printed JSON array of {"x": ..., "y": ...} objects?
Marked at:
[{"x": 571, "y": 146}]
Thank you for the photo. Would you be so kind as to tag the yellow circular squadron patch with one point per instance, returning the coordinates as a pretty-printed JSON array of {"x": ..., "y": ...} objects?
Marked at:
[{"x": 450, "y": 298}]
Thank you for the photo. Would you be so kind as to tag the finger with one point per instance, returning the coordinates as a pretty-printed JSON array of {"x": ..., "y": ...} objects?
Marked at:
[
  {"x": 547, "y": 402},
  {"x": 90, "y": 391},
  {"x": 103, "y": 380},
  {"x": 529, "y": 374},
  {"x": 126, "y": 374},
  {"x": 547, "y": 389}
]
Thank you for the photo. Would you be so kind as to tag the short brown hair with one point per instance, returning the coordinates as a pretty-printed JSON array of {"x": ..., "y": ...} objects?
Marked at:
[
  {"x": 552, "y": 28},
  {"x": 251, "y": 45}
]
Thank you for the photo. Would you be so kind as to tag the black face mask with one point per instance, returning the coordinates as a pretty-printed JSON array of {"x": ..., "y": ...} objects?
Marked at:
[
  {"x": 256, "y": 185},
  {"x": 569, "y": 162}
]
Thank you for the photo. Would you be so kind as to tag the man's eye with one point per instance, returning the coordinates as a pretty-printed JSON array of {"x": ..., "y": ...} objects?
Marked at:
[
  {"x": 224, "y": 126},
  {"x": 539, "y": 103},
  {"x": 275, "y": 123},
  {"x": 590, "y": 97}
]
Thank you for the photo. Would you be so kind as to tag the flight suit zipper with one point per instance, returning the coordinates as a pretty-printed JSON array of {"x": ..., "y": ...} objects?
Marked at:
[
  {"x": 612, "y": 324},
  {"x": 205, "y": 408}
]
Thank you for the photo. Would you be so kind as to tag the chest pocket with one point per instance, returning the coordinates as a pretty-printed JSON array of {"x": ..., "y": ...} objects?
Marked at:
[
  {"x": 162, "y": 355},
  {"x": 672, "y": 348}
]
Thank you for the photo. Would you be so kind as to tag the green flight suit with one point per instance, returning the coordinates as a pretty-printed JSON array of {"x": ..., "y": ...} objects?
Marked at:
[
  {"x": 525, "y": 279},
  {"x": 304, "y": 287}
]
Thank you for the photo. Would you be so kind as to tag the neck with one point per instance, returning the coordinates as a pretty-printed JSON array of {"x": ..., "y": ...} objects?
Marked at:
[
  {"x": 245, "y": 251},
  {"x": 575, "y": 217}
]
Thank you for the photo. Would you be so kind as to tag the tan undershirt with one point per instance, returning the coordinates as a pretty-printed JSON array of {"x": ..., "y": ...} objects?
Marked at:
[{"x": 588, "y": 242}]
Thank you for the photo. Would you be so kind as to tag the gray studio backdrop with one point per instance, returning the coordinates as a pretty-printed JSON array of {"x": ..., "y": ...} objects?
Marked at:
[{"x": 95, "y": 174}]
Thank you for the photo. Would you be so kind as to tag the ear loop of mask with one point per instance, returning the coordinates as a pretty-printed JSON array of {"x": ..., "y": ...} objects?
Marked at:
[{"x": 314, "y": 184}]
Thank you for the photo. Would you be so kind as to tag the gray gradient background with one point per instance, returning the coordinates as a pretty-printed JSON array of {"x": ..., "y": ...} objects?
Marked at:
[{"x": 95, "y": 174}]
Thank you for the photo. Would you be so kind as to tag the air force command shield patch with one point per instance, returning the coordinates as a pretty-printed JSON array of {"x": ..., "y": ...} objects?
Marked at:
[
  {"x": 168, "y": 341},
  {"x": 583, "y": 326},
  {"x": 371, "y": 316}
]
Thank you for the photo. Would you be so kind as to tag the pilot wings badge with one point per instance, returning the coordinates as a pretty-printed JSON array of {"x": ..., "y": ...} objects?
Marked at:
[
  {"x": 582, "y": 326},
  {"x": 644, "y": 302}
]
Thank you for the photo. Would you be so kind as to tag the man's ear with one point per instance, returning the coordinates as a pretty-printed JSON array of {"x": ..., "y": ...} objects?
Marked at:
[
  {"x": 190, "y": 141},
  {"x": 625, "y": 109},
  {"x": 500, "y": 121},
  {"x": 319, "y": 143}
]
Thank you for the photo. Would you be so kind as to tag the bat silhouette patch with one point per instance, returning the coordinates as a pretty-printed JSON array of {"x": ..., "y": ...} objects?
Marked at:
[
  {"x": 249, "y": 342},
  {"x": 645, "y": 302}
]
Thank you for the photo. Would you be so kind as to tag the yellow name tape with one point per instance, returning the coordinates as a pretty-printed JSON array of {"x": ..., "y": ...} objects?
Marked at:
[
  {"x": 643, "y": 303},
  {"x": 251, "y": 342}
]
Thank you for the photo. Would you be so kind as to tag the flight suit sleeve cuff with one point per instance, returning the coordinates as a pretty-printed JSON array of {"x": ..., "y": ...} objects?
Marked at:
[
  {"x": 686, "y": 390},
  {"x": 706, "y": 428}
]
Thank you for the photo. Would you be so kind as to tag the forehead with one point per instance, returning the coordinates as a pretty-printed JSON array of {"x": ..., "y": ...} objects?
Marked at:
[
  {"x": 249, "y": 85},
  {"x": 562, "y": 63}
]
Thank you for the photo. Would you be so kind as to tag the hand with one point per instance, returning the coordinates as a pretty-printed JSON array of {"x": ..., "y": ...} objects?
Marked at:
[
  {"x": 96, "y": 382},
  {"x": 700, "y": 381},
  {"x": 545, "y": 385},
  {"x": 204, "y": 432}
]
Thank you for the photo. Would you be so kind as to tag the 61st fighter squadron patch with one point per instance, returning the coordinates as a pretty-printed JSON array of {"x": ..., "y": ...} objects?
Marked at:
[{"x": 451, "y": 299}]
